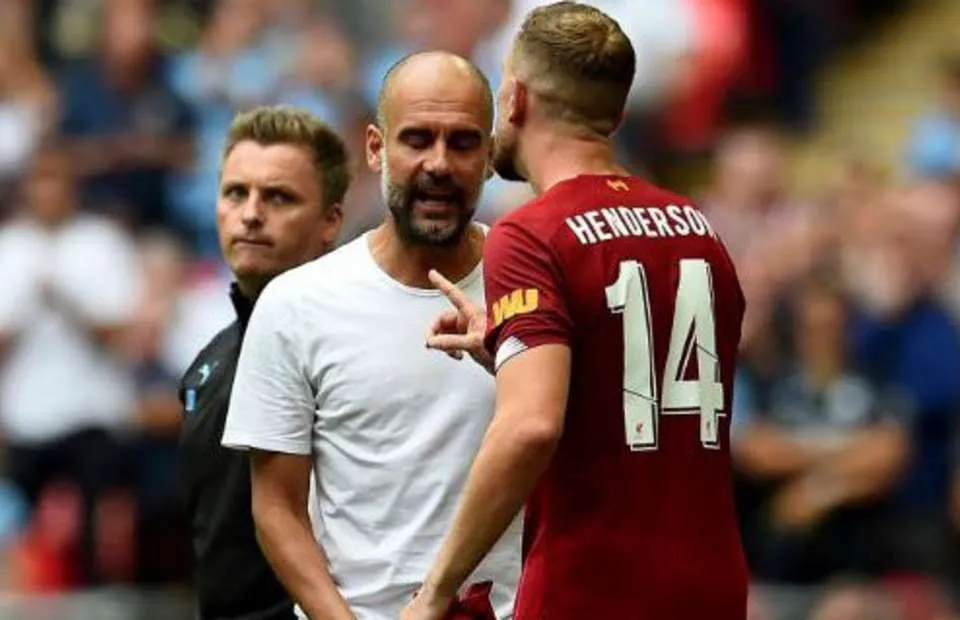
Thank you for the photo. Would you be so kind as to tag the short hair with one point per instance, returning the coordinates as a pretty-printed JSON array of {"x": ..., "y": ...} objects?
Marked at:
[
  {"x": 268, "y": 125},
  {"x": 395, "y": 68},
  {"x": 579, "y": 63}
]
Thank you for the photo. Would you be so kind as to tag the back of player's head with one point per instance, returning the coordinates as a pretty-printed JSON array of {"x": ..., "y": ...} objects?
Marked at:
[
  {"x": 578, "y": 62},
  {"x": 268, "y": 125}
]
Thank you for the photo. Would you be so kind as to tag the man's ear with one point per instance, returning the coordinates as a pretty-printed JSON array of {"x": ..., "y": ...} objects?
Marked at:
[
  {"x": 332, "y": 223},
  {"x": 518, "y": 102},
  {"x": 374, "y": 148}
]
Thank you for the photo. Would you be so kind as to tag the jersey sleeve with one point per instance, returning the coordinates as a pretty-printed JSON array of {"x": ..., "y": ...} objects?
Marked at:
[
  {"x": 522, "y": 286},
  {"x": 271, "y": 402}
]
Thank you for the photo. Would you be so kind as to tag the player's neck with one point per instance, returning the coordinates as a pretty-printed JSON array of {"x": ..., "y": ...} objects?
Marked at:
[
  {"x": 409, "y": 264},
  {"x": 556, "y": 156}
]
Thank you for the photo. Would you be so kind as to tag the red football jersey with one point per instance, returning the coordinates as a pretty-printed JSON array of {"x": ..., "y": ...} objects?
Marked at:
[{"x": 634, "y": 518}]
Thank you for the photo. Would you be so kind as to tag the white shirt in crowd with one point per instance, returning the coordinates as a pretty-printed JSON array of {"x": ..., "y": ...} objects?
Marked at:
[
  {"x": 54, "y": 378},
  {"x": 334, "y": 365}
]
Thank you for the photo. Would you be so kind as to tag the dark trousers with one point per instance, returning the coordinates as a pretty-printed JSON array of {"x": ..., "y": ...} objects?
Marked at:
[{"x": 91, "y": 460}]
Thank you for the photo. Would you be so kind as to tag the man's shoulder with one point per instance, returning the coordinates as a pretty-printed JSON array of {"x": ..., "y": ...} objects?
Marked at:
[
  {"x": 537, "y": 217},
  {"x": 222, "y": 342},
  {"x": 341, "y": 264},
  {"x": 311, "y": 281}
]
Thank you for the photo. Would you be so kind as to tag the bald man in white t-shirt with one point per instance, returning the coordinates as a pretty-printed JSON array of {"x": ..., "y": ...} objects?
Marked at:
[{"x": 334, "y": 378}]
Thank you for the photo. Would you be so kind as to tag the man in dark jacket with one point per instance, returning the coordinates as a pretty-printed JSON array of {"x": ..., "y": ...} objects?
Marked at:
[{"x": 283, "y": 180}]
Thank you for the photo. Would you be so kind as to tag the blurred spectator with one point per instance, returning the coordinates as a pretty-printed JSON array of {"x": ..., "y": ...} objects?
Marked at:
[
  {"x": 127, "y": 129},
  {"x": 44, "y": 559},
  {"x": 825, "y": 447},
  {"x": 178, "y": 313},
  {"x": 27, "y": 98},
  {"x": 904, "y": 335},
  {"x": 934, "y": 146},
  {"x": 772, "y": 238},
  {"x": 145, "y": 135},
  {"x": 236, "y": 66},
  {"x": 321, "y": 77},
  {"x": 71, "y": 282},
  {"x": 747, "y": 202},
  {"x": 797, "y": 38},
  {"x": 457, "y": 26},
  {"x": 702, "y": 76},
  {"x": 175, "y": 317},
  {"x": 856, "y": 602}
]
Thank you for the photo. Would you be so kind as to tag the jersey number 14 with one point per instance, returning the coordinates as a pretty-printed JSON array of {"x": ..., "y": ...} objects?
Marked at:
[{"x": 693, "y": 335}]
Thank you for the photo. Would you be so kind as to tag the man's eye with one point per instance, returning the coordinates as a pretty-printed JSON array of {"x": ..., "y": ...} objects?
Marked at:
[
  {"x": 464, "y": 141},
  {"x": 417, "y": 139},
  {"x": 234, "y": 192},
  {"x": 279, "y": 197}
]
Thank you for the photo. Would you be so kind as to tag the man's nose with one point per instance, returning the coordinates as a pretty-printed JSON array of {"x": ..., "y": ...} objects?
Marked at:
[
  {"x": 437, "y": 163},
  {"x": 252, "y": 214}
]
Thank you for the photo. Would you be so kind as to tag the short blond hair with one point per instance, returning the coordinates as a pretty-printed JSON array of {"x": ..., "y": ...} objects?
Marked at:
[
  {"x": 577, "y": 60},
  {"x": 267, "y": 125}
]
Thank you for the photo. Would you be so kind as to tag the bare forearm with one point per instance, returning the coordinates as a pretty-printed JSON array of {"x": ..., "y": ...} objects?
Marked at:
[
  {"x": 288, "y": 544},
  {"x": 766, "y": 453},
  {"x": 504, "y": 473},
  {"x": 869, "y": 464}
]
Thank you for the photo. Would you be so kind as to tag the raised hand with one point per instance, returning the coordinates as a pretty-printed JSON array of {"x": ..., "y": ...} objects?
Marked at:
[{"x": 461, "y": 329}]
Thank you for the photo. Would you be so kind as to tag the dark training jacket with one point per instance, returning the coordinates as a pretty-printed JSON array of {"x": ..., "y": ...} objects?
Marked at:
[{"x": 232, "y": 577}]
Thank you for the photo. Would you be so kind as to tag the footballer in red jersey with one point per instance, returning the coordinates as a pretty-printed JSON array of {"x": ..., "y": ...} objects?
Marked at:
[{"x": 612, "y": 324}]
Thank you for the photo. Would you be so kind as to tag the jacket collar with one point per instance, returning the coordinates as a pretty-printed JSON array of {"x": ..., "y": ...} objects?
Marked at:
[{"x": 241, "y": 304}]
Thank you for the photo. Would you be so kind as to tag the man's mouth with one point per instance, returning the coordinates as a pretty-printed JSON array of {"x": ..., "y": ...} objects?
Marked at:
[
  {"x": 252, "y": 241},
  {"x": 438, "y": 199}
]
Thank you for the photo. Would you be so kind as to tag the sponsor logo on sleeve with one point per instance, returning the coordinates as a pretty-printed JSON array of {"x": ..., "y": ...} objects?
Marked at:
[{"x": 520, "y": 301}]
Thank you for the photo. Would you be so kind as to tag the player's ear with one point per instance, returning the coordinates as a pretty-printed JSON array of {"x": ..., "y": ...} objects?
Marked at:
[
  {"x": 517, "y": 103},
  {"x": 374, "y": 147}
]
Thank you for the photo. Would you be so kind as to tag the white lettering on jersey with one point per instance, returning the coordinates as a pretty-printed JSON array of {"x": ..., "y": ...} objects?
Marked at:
[{"x": 615, "y": 222}]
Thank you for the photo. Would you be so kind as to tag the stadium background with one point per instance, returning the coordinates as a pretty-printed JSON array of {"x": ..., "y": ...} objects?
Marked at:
[{"x": 821, "y": 136}]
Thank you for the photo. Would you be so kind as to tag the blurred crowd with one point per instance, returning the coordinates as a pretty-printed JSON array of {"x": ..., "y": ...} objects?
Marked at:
[{"x": 112, "y": 118}]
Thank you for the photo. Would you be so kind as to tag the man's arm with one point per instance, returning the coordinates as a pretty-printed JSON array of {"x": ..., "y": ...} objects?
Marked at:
[
  {"x": 108, "y": 334},
  {"x": 869, "y": 463},
  {"x": 518, "y": 446},
  {"x": 272, "y": 412},
  {"x": 105, "y": 311},
  {"x": 862, "y": 468},
  {"x": 766, "y": 452},
  {"x": 530, "y": 346},
  {"x": 280, "y": 495}
]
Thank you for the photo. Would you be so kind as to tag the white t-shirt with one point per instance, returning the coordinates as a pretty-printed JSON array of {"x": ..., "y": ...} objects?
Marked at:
[
  {"x": 55, "y": 379},
  {"x": 334, "y": 365}
]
